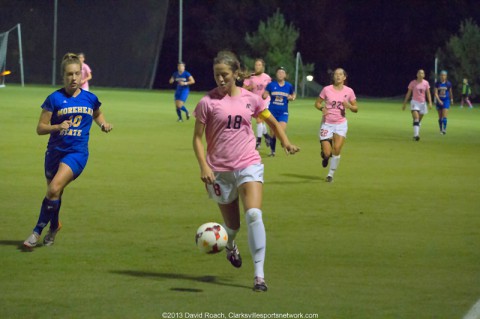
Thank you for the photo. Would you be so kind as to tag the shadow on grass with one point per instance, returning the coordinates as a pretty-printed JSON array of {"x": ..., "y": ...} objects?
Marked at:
[
  {"x": 16, "y": 243},
  {"x": 208, "y": 279},
  {"x": 300, "y": 179}
]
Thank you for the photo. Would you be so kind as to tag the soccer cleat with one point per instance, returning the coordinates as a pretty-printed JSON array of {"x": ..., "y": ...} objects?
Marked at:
[
  {"x": 188, "y": 115},
  {"x": 259, "y": 284},
  {"x": 233, "y": 255},
  {"x": 272, "y": 154},
  {"x": 329, "y": 179},
  {"x": 179, "y": 120},
  {"x": 416, "y": 138},
  {"x": 49, "y": 238},
  {"x": 32, "y": 240},
  {"x": 257, "y": 146}
]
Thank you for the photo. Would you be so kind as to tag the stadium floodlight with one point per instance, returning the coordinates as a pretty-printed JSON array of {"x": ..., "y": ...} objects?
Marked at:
[{"x": 309, "y": 78}]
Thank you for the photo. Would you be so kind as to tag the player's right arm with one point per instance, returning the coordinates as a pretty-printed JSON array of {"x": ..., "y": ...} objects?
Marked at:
[
  {"x": 319, "y": 106},
  {"x": 407, "y": 97},
  {"x": 171, "y": 80},
  {"x": 206, "y": 173},
  {"x": 44, "y": 126}
]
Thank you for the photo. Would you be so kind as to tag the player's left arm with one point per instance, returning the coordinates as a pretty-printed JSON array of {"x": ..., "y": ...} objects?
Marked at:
[
  {"x": 279, "y": 132},
  {"x": 429, "y": 98},
  {"x": 89, "y": 77},
  {"x": 190, "y": 81},
  {"x": 451, "y": 94},
  {"x": 351, "y": 105},
  {"x": 100, "y": 120}
]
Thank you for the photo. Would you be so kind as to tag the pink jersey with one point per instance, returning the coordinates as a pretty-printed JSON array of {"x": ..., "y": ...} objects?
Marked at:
[
  {"x": 85, "y": 70},
  {"x": 334, "y": 103},
  {"x": 228, "y": 129},
  {"x": 419, "y": 90},
  {"x": 259, "y": 83}
]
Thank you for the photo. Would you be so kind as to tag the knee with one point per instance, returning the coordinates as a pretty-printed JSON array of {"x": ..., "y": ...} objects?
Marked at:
[
  {"x": 253, "y": 215},
  {"x": 54, "y": 191}
]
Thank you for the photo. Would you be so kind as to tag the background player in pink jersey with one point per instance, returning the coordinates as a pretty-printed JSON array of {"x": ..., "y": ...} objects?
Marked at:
[
  {"x": 418, "y": 89},
  {"x": 333, "y": 131},
  {"x": 257, "y": 83},
  {"x": 232, "y": 168},
  {"x": 86, "y": 72}
]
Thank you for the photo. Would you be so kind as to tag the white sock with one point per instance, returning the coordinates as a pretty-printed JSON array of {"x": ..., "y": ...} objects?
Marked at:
[
  {"x": 260, "y": 129},
  {"x": 231, "y": 236},
  {"x": 257, "y": 239},
  {"x": 333, "y": 164},
  {"x": 416, "y": 129}
]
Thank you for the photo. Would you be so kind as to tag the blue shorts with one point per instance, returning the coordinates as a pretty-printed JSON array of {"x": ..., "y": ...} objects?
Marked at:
[
  {"x": 280, "y": 116},
  {"x": 181, "y": 95},
  {"x": 446, "y": 105},
  {"x": 76, "y": 162}
]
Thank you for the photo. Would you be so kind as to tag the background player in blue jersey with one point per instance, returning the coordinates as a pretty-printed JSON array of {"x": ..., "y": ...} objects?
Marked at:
[
  {"x": 280, "y": 92},
  {"x": 183, "y": 79},
  {"x": 444, "y": 96},
  {"x": 67, "y": 115}
]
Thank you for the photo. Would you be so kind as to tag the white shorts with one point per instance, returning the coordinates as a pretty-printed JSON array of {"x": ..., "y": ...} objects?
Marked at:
[
  {"x": 327, "y": 130},
  {"x": 225, "y": 188},
  {"x": 421, "y": 107}
]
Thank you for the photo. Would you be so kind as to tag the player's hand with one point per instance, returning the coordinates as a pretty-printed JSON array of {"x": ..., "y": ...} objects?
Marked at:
[
  {"x": 403, "y": 107},
  {"x": 430, "y": 106},
  {"x": 291, "y": 149},
  {"x": 106, "y": 127},
  {"x": 207, "y": 176},
  {"x": 65, "y": 125}
]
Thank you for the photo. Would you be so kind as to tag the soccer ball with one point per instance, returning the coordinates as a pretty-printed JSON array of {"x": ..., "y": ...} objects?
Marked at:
[{"x": 211, "y": 238}]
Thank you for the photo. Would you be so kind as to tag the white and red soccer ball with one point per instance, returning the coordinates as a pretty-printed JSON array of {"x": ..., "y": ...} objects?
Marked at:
[{"x": 211, "y": 238}]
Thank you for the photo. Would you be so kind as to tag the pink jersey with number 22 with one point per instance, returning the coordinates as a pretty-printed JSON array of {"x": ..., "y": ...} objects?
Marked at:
[{"x": 334, "y": 103}]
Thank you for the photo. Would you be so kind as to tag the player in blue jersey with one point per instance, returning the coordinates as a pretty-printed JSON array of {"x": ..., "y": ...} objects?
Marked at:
[
  {"x": 67, "y": 115},
  {"x": 444, "y": 96},
  {"x": 280, "y": 92},
  {"x": 183, "y": 79}
]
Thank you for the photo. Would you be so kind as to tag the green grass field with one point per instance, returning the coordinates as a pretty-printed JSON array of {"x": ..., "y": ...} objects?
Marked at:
[{"x": 395, "y": 236}]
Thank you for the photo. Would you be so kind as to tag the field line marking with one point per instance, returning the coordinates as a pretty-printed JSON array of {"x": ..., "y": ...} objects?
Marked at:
[{"x": 474, "y": 312}]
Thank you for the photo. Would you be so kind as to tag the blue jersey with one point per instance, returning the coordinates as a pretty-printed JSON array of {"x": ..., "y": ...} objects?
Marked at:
[
  {"x": 443, "y": 90},
  {"x": 181, "y": 78},
  {"x": 279, "y": 95},
  {"x": 79, "y": 110}
]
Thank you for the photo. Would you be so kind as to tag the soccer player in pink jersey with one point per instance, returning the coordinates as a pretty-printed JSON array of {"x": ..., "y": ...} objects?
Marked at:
[
  {"x": 86, "y": 72},
  {"x": 333, "y": 131},
  {"x": 418, "y": 89},
  {"x": 257, "y": 83},
  {"x": 232, "y": 167}
]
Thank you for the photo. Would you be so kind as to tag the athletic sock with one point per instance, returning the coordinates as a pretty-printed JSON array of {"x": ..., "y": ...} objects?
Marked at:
[
  {"x": 416, "y": 128},
  {"x": 54, "y": 220},
  {"x": 232, "y": 233},
  {"x": 273, "y": 144},
  {"x": 49, "y": 207},
  {"x": 259, "y": 140},
  {"x": 440, "y": 121},
  {"x": 444, "y": 122},
  {"x": 257, "y": 239},
  {"x": 179, "y": 113},
  {"x": 334, "y": 164},
  {"x": 184, "y": 109},
  {"x": 260, "y": 129}
]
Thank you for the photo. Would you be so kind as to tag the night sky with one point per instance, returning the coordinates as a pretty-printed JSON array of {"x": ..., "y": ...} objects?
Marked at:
[{"x": 381, "y": 44}]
